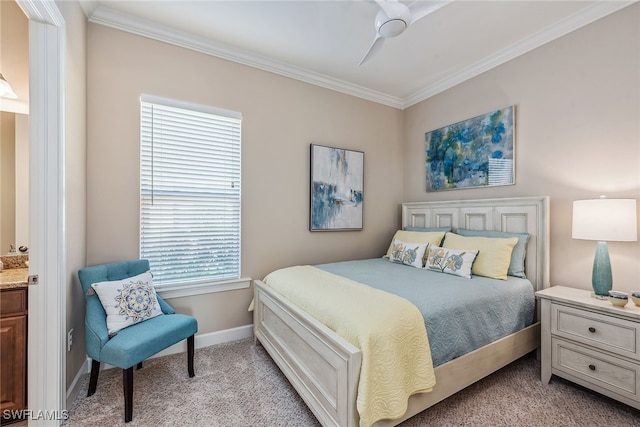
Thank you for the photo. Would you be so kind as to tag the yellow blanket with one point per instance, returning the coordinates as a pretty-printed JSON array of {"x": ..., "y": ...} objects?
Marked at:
[{"x": 389, "y": 330}]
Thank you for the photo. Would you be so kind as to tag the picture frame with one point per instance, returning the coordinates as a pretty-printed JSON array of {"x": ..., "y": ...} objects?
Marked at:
[
  {"x": 336, "y": 188},
  {"x": 477, "y": 152}
]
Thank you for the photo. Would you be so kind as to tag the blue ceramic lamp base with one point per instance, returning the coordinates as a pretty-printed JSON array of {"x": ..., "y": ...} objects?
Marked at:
[{"x": 601, "y": 279}]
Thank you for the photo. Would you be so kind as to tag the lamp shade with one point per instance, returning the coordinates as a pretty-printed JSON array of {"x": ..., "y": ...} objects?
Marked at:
[
  {"x": 5, "y": 89},
  {"x": 604, "y": 219}
]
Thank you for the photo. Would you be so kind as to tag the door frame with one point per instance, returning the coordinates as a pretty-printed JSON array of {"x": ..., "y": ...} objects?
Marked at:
[{"x": 46, "y": 364}]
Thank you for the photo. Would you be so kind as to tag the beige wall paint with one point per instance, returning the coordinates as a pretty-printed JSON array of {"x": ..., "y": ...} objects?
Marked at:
[
  {"x": 14, "y": 180},
  {"x": 22, "y": 180},
  {"x": 577, "y": 134},
  {"x": 281, "y": 117},
  {"x": 75, "y": 177},
  {"x": 7, "y": 181}
]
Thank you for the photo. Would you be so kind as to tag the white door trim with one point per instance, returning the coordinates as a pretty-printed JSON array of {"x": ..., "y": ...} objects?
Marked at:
[{"x": 47, "y": 300}]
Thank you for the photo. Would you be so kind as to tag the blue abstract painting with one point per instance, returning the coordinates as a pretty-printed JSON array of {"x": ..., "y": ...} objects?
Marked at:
[
  {"x": 337, "y": 181},
  {"x": 476, "y": 152}
]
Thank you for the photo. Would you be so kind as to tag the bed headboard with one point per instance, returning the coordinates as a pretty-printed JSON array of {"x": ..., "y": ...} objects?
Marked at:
[{"x": 514, "y": 215}]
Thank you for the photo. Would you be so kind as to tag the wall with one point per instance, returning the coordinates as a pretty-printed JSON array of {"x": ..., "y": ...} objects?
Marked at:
[
  {"x": 281, "y": 117},
  {"x": 577, "y": 134},
  {"x": 75, "y": 177},
  {"x": 22, "y": 180},
  {"x": 14, "y": 182},
  {"x": 7, "y": 181}
]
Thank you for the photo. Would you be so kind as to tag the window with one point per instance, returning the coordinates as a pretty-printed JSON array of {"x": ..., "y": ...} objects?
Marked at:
[{"x": 189, "y": 192}]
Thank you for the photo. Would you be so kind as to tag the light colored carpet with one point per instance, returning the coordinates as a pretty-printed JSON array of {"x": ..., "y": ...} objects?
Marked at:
[{"x": 238, "y": 385}]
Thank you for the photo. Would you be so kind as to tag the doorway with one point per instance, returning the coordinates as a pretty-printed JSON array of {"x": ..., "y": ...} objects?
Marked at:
[{"x": 14, "y": 128}]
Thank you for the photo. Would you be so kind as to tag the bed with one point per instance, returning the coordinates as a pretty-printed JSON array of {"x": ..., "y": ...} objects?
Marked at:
[{"x": 324, "y": 368}]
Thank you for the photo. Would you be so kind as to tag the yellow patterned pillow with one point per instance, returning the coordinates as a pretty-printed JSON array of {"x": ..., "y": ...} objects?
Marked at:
[
  {"x": 431, "y": 237},
  {"x": 494, "y": 254}
]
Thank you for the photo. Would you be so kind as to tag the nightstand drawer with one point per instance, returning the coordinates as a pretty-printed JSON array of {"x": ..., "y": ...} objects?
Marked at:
[
  {"x": 598, "y": 369},
  {"x": 596, "y": 330}
]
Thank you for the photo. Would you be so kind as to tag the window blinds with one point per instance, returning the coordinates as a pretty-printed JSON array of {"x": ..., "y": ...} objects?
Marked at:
[{"x": 189, "y": 191}]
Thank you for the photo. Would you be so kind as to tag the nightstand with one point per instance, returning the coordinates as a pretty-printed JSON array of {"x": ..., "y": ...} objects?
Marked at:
[{"x": 590, "y": 342}]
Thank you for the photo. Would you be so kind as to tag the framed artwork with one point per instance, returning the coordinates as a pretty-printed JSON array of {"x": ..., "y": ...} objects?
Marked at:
[
  {"x": 337, "y": 181},
  {"x": 476, "y": 152}
]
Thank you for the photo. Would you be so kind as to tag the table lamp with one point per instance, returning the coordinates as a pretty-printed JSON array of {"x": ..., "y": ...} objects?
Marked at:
[{"x": 604, "y": 220}]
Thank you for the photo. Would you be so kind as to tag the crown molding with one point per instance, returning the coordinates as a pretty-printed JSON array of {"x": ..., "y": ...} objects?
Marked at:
[
  {"x": 131, "y": 24},
  {"x": 571, "y": 23},
  {"x": 117, "y": 20},
  {"x": 88, "y": 6},
  {"x": 42, "y": 11}
]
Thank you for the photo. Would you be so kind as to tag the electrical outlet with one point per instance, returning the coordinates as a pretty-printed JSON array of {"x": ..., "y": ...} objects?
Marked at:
[{"x": 69, "y": 339}]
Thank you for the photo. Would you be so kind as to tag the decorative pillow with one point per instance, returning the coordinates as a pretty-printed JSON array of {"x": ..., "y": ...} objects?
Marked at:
[
  {"x": 450, "y": 261},
  {"x": 128, "y": 301},
  {"x": 408, "y": 253},
  {"x": 432, "y": 238},
  {"x": 518, "y": 255},
  {"x": 494, "y": 254}
]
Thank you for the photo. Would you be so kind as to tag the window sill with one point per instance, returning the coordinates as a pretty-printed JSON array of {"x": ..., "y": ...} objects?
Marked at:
[{"x": 175, "y": 290}]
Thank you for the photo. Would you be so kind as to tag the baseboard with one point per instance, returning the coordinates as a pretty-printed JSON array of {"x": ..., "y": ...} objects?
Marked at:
[
  {"x": 212, "y": 338},
  {"x": 74, "y": 388},
  {"x": 201, "y": 341}
]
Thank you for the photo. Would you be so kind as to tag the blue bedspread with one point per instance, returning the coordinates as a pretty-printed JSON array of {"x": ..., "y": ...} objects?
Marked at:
[{"x": 460, "y": 315}]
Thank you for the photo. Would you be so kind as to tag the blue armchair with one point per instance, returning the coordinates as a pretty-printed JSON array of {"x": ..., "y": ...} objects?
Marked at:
[{"x": 133, "y": 344}]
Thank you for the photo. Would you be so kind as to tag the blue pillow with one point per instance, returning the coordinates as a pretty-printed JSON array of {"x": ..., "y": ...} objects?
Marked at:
[{"x": 519, "y": 253}]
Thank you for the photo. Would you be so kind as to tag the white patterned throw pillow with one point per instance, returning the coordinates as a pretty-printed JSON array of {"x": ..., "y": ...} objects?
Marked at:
[
  {"x": 128, "y": 301},
  {"x": 451, "y": 261},
  {"x": 408, "y": 253}
]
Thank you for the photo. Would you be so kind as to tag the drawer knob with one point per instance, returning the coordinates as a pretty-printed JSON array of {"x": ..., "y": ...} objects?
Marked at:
[
  {"x": 592, "y": 367},
  {"x": 592, "y": 329}
]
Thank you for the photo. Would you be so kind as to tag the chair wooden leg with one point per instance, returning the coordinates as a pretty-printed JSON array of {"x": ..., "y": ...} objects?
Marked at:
[
  {"x": 127, "y": 383},
  {"x": 93, "y": 379},
  {"x": 139, "y": 366},
  {"x": 190, "y": 351}
]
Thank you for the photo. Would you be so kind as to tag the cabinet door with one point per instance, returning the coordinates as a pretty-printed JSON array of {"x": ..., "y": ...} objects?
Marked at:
[{"x": 13, "y": 335}]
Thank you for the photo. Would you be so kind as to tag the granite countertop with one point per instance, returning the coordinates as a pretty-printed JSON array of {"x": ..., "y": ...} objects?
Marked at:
[{"x": 14, "y": 278}]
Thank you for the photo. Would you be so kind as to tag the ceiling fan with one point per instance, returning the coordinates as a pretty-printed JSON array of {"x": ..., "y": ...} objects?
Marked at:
[{"x": 394, "y": 17}]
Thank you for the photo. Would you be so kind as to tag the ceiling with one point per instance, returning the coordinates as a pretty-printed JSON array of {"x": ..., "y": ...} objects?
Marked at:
[{"x": 322, "y": 42}]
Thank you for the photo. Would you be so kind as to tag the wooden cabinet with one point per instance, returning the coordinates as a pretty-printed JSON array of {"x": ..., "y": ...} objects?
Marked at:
[
  {"x": 591, "y": 342},
  {"x": 13, "y": 351}
]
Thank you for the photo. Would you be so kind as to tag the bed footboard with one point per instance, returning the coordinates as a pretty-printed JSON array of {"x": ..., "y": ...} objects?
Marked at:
[{"x": 323, "y": 367}]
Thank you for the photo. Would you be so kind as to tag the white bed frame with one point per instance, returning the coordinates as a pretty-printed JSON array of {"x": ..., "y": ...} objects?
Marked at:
[{"x": 324, "y": 368}]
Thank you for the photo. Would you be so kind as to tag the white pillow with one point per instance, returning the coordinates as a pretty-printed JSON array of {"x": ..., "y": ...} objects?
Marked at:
[
  {"x": 128, "y": 301},
  {"x": 450, "y": 261},
  {"x": 407, "y": 253}
]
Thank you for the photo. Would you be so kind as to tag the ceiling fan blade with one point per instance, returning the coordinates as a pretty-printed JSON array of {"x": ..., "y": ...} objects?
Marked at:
[
  {"x": 420, "y": 9},
  {"x": 388, "y": 7},
  {"x": 373, "y": 49}
]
